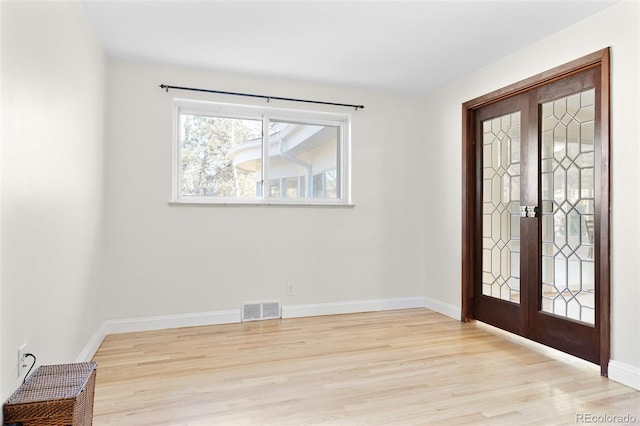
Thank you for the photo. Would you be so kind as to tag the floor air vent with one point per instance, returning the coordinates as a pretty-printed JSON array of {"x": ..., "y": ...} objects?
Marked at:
[{"x": 260, "y": 311}]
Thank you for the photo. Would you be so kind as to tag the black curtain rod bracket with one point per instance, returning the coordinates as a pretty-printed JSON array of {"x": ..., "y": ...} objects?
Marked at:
[{"x": 268, "y": 98}]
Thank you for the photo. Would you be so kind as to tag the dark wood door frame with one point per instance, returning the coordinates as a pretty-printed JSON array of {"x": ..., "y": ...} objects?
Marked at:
[{"x": 471, "y": 187}]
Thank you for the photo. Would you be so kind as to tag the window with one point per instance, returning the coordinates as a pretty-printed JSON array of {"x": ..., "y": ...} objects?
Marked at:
[{"x": 233, "y": 154}]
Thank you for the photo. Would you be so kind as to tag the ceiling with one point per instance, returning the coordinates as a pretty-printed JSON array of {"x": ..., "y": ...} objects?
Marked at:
[{"x": 406, "y": 46}]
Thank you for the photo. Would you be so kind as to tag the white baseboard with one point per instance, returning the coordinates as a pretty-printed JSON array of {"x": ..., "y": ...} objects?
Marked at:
[
  {"x": 351, "y": 307},
  {"x": 623, "y": 373},
  {"x": 172, "y": 321},
  {"x": 92, "y": 346},
  {"x": 451, "y": 311}
]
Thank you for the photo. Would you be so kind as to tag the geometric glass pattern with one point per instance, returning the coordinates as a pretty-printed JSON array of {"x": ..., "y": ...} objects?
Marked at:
[
  {"x": 568, "y": 188},
  {"x": 500, "y": 207}
]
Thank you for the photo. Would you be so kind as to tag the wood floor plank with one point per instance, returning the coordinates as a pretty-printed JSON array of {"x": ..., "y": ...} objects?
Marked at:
[{"x": 406, "y": 367}]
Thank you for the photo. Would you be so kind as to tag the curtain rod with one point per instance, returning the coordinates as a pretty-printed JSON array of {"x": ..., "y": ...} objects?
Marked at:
[{"x": 268, "y": 98}]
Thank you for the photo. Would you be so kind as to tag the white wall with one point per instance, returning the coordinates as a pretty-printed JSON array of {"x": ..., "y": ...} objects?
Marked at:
[
  {"x": 52, "y": 85},
  {"x": 165, "y": 259},
  {"x": 616, "y": 27}
]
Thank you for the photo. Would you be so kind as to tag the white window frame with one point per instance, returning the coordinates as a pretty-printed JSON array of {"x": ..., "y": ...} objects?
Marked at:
[{"x": 266, "y": 114}]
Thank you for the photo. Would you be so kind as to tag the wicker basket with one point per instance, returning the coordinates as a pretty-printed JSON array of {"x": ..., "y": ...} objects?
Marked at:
[{"x": 54, "y": 395}]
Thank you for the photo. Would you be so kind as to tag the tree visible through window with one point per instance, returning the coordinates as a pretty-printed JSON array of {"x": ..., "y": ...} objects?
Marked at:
[{"x": 207, "y": 168}]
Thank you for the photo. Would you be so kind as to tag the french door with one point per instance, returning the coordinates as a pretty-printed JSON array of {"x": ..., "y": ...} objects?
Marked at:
[{"x": 535, "y": 256}]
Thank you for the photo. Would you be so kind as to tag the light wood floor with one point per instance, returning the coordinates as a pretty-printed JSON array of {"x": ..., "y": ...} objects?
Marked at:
[{"x": 408, "y": 367}]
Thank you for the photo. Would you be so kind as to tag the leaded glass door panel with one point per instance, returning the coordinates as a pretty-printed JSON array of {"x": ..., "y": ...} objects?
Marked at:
[
  {"x": 501, "y": 207},
  {"x": 568, "y": 200}
]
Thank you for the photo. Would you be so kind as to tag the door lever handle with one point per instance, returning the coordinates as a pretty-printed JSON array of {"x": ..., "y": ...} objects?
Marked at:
[{"x": 529, "y": 211}]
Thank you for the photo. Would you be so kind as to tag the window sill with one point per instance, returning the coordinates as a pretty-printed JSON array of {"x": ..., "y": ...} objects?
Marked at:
[{"x": 212, "y": 203}]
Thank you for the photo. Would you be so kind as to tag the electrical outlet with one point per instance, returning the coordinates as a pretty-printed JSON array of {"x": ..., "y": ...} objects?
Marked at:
[
  {"x": 290, "y": 291},
  {"x": 22, "y": 360}
]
